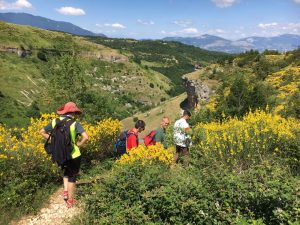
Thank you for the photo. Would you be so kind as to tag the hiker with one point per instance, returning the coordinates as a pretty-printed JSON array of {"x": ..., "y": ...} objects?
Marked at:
[
  {"x": 158, "y": 135},
  {"x": 132, "y": 135},
  {"x": 67, "y": 115},
  {"x": 128, "y": 139},
  {"x": 182, "y": 138}
]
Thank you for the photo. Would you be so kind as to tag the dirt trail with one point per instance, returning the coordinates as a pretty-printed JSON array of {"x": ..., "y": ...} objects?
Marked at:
[{"x": 54, "y": 213}]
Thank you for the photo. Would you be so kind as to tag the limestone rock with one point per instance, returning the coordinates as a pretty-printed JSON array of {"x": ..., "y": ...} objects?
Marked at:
[{"x": 196, "y": 91}]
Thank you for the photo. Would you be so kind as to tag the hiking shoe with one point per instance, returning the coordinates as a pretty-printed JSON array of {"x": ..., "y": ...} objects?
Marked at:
[
  {"x": 65, "y": 195},
  {"x": 71, "y": 203}
]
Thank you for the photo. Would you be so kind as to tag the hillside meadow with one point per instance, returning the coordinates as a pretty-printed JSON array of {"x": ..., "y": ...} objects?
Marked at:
[{"x": 243, "y": 164}]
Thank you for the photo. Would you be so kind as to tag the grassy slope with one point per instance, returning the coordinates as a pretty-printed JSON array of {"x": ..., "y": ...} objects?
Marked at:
[
  {"x": 172, "y": 59},
  {"x": 170, "y": 108},
  {"x": 25, "y": 74}
]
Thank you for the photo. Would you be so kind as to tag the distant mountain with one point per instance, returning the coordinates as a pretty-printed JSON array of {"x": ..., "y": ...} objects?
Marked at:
[
  {"x": 45, "y": 23},
  {"x": 281, "y": 43}
]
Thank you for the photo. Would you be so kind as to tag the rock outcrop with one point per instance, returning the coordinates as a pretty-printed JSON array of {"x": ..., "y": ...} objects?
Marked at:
[
  {"x": 19, "y": 51},
  {"x": 110, "y": 57},
  {"x": 197, "y": 91}
]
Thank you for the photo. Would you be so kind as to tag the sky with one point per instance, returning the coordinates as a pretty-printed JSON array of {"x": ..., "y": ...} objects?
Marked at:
[{"x": 155, "y": 19}]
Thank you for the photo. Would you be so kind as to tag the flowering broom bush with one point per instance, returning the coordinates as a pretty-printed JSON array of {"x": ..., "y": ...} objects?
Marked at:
[
  {"x": 26, "y": 168},
  {"x": 102, "y": 137},
  {"x": 148, "y": 155},
  {"x": 247, "y": 141},
  {"x": 27, "y": 173}
]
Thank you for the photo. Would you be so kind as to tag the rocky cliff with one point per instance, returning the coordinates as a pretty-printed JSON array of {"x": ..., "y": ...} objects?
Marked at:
[{"x": 197, "y": 91}]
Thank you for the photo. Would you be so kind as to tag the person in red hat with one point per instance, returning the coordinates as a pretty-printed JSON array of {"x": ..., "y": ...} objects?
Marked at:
[{"x": 69, "y": 112}]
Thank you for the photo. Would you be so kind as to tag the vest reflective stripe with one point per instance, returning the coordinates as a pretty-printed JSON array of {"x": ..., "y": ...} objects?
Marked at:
[{"x": 76, "y": 151}]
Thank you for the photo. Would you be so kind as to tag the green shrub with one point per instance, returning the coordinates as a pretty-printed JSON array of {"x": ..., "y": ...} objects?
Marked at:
[
  {"x": 156, "y": 194},
  {"x": 26, "y": 182}
]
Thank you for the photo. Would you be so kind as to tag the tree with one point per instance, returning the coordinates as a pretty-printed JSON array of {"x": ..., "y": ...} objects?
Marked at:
[{"x": 66, "y": 78}]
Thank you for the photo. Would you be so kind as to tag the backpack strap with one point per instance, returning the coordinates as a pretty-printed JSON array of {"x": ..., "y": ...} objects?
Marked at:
[
  {"x": 152, "y": 134},
  {"x": 132, "y": 133}
]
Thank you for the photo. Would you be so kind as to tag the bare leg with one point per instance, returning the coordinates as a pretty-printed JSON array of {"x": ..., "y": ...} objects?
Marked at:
[
  {"x": 71, "y": 189},
  {"x": 176, "y": 157},
  {"x": 66, "y": 183}
]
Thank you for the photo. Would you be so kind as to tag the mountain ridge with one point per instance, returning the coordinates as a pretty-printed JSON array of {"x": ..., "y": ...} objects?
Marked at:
[
  {"x": 282, "y": 43},
  {"x": 45, "y": 23}
]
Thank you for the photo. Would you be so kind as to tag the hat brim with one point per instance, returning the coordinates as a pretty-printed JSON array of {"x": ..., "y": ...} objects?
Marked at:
[{"x": 64, "y": 110}]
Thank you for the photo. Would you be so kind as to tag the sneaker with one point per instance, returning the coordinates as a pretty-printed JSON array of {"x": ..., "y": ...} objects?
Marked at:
[
  {"x": 65, "y": 195},
  {"x": 71, "y": 203}
]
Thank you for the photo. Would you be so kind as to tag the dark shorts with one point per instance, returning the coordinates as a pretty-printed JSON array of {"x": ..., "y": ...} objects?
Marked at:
[
  {"x": 182, "y": 150},
  {"x": 71, "y": 167}
]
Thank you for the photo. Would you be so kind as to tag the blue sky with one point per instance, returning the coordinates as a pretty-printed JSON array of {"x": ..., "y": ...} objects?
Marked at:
[{"x": 232, "y": 19}]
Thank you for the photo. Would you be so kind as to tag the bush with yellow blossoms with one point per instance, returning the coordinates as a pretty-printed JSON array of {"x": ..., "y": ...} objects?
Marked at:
[
  {"x": 102, "y": 137},
  {"x": 148, "y": 155},
  {"x": 25, "y": 167},
  {"x": 287, "y": 84},
  {"x": 249, "y": 140}
]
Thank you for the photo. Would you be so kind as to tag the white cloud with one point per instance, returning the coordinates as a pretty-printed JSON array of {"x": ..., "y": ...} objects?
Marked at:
[
  {"x": 224, "y": 3},
  {"x": 115, "y": 25},
  {"x": 191, "y": 31},
  {"x": 273, "y": 29},
  {"x": 267, "y": 25},
  {"x": 220, "y": 31},
  {"x": 17, "y": 5},
  {"x": 183, "y": 23},
  {"x": 67, "y": 10},
  {"x": 297, "y": 1},
  {"x": 145, "y": 22},
  {"x": 280, "y": 27}
]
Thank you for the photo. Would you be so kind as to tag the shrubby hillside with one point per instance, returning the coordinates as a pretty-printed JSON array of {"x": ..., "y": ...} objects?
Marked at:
[
  {"x": 243, "y": 166},
  {"x": 172, "y": 59},
  {"x": 254, "y": 80},
  {"x": 41, "y": 69},
  {"x": 125, "y": 76}
]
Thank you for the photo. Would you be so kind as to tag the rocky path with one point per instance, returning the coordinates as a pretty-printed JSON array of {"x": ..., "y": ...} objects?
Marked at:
[{"x": 54, "y": 213}]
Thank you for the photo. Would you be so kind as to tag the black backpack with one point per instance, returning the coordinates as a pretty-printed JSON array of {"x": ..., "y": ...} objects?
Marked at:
[
  {"x": 59, "y": 143},
  {"x": 121, "y": 143}
]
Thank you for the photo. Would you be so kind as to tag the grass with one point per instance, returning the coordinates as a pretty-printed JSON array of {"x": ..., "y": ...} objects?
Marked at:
[
  {"x": 152, "y": 118},
  {"x": 40, "y": 199},
  {"x": 18, "y": 75},
  {"x": 21, "y": 79}
]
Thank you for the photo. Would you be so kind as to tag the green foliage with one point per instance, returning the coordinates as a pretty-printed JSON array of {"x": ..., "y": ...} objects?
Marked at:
[
  {"x": 172, "y": 59},
  {"x": 11, "y": 112},
  {"x": 247, "y": 57},
  {"x": 240, "y": 91},
  {"x": 292, "y": 108},
  {"x": 98, "y": 106},
  {"x": 204, "y": 115},
  {"x": 66, "y": 78},
  {"x": 212, "y": 194},
  {"x": 25, "y": 184},
  {"x": 33, "y": 111}
]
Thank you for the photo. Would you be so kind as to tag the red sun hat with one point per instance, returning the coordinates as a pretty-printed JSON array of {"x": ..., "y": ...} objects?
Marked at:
[{"x": 69, "y": 107}]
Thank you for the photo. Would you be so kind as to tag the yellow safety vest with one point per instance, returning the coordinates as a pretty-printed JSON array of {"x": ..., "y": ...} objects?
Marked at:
[{"x": 76, "y": 151}]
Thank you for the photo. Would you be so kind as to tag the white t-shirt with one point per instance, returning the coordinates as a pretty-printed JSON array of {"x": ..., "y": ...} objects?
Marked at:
[{"x": 180, "y": 136}]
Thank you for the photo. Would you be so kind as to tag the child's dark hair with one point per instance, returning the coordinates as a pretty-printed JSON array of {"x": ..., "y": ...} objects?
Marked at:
[
  {"x": 140, "y": 124},
  {"x": 186, "y": 113}
]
